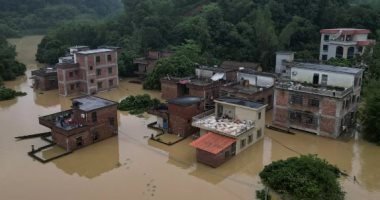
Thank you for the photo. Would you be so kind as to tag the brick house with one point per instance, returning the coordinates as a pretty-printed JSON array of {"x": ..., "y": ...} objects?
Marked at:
[
  {"x": 146, "y": 64},
  {"x": 320, "y": 99},
  {"x": 88, "y": 72},
  {"x": 251, "y": 85},
  {"x": 45, "y": 78},
  {"x": 176, "y": 116},
  {"x": 90, "y": 120},
  {"x": 229, "y": 129}
]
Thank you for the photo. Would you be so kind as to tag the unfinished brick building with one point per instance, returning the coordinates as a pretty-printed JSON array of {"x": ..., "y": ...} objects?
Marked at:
[
  {"x": 146, "y": 64},
  {"x": 45, "y": 78},
  {"x": 176, "y": 116},
  {"x": 87, "y": 71},
  {"x": 321, "y": 99},
  {"x": 251, "y": 85},
  {"x": 90, "y": 120}
]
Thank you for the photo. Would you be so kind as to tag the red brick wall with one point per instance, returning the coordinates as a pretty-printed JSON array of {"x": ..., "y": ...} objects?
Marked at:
[
  {"x": 180, "y": 118},
  {"x": 281, "y": 116},
  {"x": 327, "y": 125},
  {"x": 328, "y": 106},
  {"x": 231, "y": 76},
  {"x": 60, "y": 73},
  {"x": 211, "y": 159},
  {"x": 169, "y": 90},
  {"x": 282, "y": 98},
  {"x": 102, "y": 127}
]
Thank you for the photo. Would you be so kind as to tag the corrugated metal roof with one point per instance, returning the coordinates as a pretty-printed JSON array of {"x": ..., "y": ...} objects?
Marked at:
[{"x": 213, "y": 143}]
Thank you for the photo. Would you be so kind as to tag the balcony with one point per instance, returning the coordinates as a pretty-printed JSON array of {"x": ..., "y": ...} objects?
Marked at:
[
  {"x": 63, "y": 120},
  {"x": 224, "y": 126},
  {"x": 329, "y": 91}
]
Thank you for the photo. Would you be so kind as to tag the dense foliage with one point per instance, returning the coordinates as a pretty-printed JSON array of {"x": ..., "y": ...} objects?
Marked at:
[
  {"x": 7, "y": 94},
  {"x": 138, "y": 104},
  {"x": 25, "y": 16},
  {"x": 9, "y": 67},
  {"x": 304, "y": 177},
  {"x": 245, "y": 30},
  {"x": 370, "y": 115}
]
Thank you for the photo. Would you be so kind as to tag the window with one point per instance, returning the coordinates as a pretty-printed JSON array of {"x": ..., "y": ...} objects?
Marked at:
[
  {"x": 94, "y": 117},
  {"x": 314, "y": 102},
  {"x": 100, "y": 85},
  {"x": 325, "y": 47},
  {"x": 71, "y": 74},
  {"x": 259, "y": 115},
  {"x": 309, "y": 119},
  {"x": 350, "y": 52},
  {"x": 250, "y": 139},
  {"x": 242, "y": 143},
  {"x": 324, "y": 79},
  {"x": 259, "y": 133},
  {"x": 360, "y": 49},
  {"x": 326, "y": 37},
  {"x": 72, "y": 86},
  {"x": 76, "y": 72},
  {"x": 296, "y": 99},
  {"x": 109, "y": 58},
  {"x": 91, "y": 68},
  {"x": 295, "y": 116},
  {"x": 109, "y": 70},
  {"x": 95, "y": 136},
  {"x": 110, "y": 83},
  {"x": 324, "y": 57},
  {"x": 97, "y": 59},
  {"x": 79, "y": 141},
  {"x": 98, "y": 72},
  {"x": 77, "y": 85},
  {"x": 349, "y": 38},
  {"x": 111, "y": 121},
  {"x": 92, "y": 80},
  {"x": 339, "y": 52},
  {"x": 353, "y": 99},
  {"x": 316, "y": 79}
]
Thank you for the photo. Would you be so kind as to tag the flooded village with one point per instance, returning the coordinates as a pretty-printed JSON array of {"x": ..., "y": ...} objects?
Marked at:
[{"x": 132, "y": 166}]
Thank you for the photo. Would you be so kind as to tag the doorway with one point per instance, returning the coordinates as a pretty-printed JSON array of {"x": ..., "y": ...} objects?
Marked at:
[{"x": 316, "y": 79}]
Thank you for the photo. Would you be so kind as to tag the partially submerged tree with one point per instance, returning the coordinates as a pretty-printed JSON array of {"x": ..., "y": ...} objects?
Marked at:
[
  {"x": 138, "y": 104},
  {"x": 304, "y": 177}
]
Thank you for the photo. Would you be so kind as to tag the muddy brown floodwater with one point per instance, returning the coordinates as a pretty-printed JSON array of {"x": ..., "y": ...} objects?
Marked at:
[{"x": 132, "y": 167}]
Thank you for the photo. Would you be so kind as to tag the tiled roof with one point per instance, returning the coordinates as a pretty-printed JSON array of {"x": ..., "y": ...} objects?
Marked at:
[{"x": 213, "y": 143}]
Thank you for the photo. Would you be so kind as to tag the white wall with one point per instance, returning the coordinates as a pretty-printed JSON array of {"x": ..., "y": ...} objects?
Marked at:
[
  {"x": 257, "y": 80},
  {"x": 280, "y": 56},
  {"x": 202, "y": 73},
  {"x": 334, "y": 79},
  {"x": 360, "y": 37}
]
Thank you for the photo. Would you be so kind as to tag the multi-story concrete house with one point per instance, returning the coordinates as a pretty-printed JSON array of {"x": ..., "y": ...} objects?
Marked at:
[
  {"x": 90, "y": 120},
  {"x": 230, "y": 128},
  {"x": 343, "y": 43},
  {"x": 87, "y": 71},
  {"x": 321, "y": 99}
]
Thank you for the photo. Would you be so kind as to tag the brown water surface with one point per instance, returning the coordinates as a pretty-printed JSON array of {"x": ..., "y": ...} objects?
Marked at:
[{"x": 132, "y": 167}]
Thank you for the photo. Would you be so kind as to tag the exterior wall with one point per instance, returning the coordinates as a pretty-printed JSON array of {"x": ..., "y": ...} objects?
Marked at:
[
  {"x": 208, "y": 92},
  {"x": 169, "y": 89},
  {"x": 203, "y": 73},
  {"x": 180, "y": 118},
  {"x": 327, "y": 117},
  {"x": 212, "y": 159},
  {"x": 280, "y": 57},
  {"x": 334, "y": 79},
  {"x": 67, "y": 139},
  {"x": 45, "y": 83},
  {"x": 265, "y": 96}
]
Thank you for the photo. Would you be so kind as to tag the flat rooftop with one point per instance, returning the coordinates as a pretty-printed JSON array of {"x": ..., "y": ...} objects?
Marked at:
[
  {"x": 88, "y": 103},
  {"x": 329, "y": 68},
  {"x": 228, "y": 127},
  {"x": 241, "y": 102},
  {"x": 185, "y": 101},
  {"x": 93, "y": 51}
]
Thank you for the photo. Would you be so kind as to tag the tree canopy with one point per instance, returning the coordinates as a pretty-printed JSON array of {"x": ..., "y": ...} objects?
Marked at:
[
  {"x": 304, "y": 177},
  {"x": 9, "y": 67}
]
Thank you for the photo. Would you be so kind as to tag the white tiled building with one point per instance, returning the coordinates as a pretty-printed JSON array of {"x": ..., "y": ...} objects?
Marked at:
[{"x": 343, "y": 42}]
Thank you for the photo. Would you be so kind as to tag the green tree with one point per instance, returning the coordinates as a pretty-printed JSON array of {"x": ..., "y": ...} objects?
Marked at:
[
  {"x": 304, "y": 177},
  {"x": 369, "y": 113}
]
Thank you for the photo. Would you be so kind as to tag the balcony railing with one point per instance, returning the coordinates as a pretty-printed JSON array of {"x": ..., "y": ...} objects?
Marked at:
[
  {"x": 62, "y": 121},
  {"x": 317, "y": 89}
]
